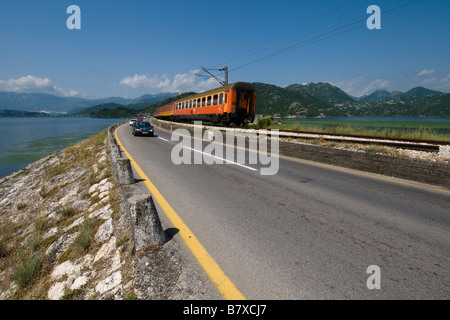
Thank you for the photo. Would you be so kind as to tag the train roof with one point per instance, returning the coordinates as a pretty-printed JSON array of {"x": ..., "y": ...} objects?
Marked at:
[{"x": 232, "y": 86}]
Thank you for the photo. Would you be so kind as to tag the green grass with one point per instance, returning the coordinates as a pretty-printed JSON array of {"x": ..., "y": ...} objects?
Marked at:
[
  {"x": 27, "y": 269},
  {"x": 67, "y": 211},
  {"x": 86, "y": 235},
  {"x": 393, "y": 129}
]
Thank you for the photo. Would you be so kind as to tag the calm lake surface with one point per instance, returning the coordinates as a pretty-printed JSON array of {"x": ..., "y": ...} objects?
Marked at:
[{"x": 25, "y": 140}]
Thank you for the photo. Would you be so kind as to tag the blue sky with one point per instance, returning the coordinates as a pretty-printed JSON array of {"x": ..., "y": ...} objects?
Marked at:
[{"x": 129, "y": 48}]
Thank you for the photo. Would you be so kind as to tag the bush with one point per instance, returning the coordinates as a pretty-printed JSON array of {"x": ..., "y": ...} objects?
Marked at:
[
  {"x": 67, "y": 211},
  {"x": 264, "y": 123},
  {"x": 84, "y": 238},
  {"x": 26, "y": 270}
]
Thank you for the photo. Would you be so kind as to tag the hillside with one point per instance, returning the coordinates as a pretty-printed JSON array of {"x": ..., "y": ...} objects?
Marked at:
[
  {"x": 118, "y": 112},
  {"x": 114, "y": 110},
  {"x": 292, "y": 101},
  {"x": 324, "y": 91}
]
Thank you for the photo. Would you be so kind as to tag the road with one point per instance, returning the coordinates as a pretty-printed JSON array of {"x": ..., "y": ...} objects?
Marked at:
[{"x": 310, "y": 231}]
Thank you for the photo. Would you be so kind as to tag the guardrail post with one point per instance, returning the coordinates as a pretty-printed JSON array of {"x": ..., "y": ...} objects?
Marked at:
[
  {"x": 124, "y": 171},
  {"x": 147, "y": 230}
]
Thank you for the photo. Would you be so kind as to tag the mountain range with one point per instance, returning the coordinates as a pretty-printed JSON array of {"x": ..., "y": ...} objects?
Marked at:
[
  {"x": 47, "y": 103},
  {"x": 296, "y": 100},
  {"x": 325, "y": 100}
]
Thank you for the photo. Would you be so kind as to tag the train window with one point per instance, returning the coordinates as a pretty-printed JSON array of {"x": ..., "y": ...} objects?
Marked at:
[
  {"x": 183, "y": 105},
  {"x": 203, "y": 101},
  {"x": 176, "y": 106},
  {"x": 198, "y": 102},
  {"x": 226, "y": 97},
  {"x": 209, "y": 101},
  {"x": 190, "y": 104},
  {"x": 221, "y": 98},
  {"x": 194, "y": 103},
  {"x": 215, "y": 98}
]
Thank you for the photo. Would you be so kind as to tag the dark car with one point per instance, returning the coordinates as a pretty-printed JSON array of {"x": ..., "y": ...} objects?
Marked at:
[{"x": 143, "y": 128}]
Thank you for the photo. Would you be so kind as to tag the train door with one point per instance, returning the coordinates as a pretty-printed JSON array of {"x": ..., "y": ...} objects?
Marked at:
[{"x": 244, "y": 101}]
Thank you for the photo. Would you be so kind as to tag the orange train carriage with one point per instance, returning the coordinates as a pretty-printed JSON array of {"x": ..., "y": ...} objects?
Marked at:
[{"x": 232, "y": 103}]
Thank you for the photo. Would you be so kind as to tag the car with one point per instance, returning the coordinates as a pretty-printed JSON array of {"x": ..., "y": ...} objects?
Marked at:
[
  {"x": 132, "y": 122},
  {"x": 142, "y": 128}
]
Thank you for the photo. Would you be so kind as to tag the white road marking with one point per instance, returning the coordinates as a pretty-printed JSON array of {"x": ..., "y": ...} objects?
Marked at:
[{"x": 226, "y": 161}]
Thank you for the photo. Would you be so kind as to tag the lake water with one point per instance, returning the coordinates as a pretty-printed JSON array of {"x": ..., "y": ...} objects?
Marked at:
[{"x": 25, "y": 140}]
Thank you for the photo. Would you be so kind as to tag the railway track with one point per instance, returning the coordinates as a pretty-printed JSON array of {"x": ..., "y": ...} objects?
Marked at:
[{"x": 402, "y": 143}]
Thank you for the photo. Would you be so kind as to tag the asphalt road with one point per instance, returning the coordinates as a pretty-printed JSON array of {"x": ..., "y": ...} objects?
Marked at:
[{"x": 308, "y": 232}]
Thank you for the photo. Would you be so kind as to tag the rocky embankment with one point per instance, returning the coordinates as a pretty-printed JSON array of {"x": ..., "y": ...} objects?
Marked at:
[{"x": 66, "y": 233}]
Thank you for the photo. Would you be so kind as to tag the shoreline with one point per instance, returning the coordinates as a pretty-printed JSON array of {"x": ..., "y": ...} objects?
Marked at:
[{"x": 65, "y": 234}]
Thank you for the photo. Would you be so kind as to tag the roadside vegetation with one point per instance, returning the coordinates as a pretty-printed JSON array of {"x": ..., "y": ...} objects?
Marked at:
[{"x": 406, "y": 130}]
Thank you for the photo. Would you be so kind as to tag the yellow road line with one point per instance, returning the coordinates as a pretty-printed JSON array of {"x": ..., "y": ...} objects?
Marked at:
[{"x": 223, "y": 284}]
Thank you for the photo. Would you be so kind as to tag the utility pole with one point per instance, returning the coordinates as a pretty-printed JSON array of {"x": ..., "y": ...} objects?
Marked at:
[
  {"x": 225, "y": 74},
  {"x": 224, "y": 69}
]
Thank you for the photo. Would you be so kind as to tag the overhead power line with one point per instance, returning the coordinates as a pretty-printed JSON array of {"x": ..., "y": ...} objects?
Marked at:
[{"x": 325, "y": 34}]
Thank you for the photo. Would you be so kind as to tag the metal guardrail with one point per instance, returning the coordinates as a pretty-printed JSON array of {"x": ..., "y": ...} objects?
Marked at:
[{"x": 402, "y": 143}]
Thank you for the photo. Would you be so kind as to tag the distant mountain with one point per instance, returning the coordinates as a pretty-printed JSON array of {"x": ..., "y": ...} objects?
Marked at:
[
  {"x": 294, "y": 100},
  {"x": 117, "y": 112},
  {"x": 415, "y": 95},
  {"x": 324, "y": 91},
  {"x": 379, "y": 95},
  {"x": 326, "y": 100},
  {"x": 95, "y": 109},
  {"x": 37, "y": 102},
  {"x": 114, "y": 110},
  {"x": 314, "y": 100},
  {"x": 20, "y": 114}
]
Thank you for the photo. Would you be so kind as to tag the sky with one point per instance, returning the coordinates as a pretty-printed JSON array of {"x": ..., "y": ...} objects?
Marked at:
[{"x": 130, "y": 48}]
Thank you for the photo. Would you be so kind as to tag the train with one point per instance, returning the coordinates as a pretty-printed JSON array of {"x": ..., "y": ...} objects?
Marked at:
[{"x": 232, "y": 103}]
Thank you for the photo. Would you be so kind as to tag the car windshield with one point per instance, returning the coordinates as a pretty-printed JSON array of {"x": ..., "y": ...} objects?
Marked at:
[{"x": 143, "y": 124}]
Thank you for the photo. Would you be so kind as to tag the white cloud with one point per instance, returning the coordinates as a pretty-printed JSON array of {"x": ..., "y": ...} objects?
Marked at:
[
  {"x": 359, "y": 86},
  {"x": 432, "y": 80},
  {"x": 351, "y": 86},
  {"x": 426, "y": 72},
  {"x": 30, "y": 83},
  {"x": 377, "y": 84},
  {"x": 142, "y": 81},
  {"x": 180, "y": 83}
]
